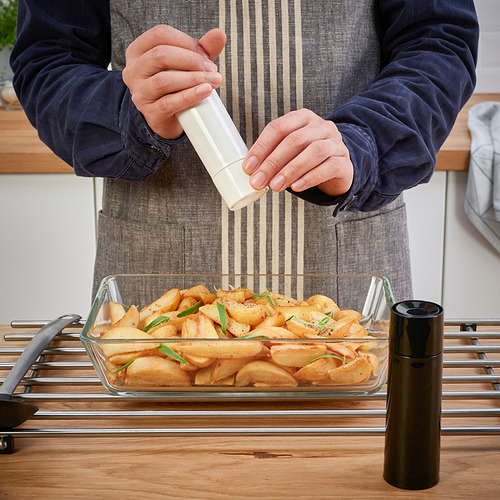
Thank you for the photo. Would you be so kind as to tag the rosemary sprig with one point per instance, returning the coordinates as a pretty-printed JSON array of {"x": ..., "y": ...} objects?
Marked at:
[
  {"x": 322, "y": 323},
  {"x": 157, "y": 321},
  {"x": 190, "y": 310},
  {"x": 171, "y": 353}
]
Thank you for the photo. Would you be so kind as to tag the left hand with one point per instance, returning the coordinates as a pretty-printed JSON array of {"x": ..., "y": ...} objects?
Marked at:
[{"x": 300, "y": 150}]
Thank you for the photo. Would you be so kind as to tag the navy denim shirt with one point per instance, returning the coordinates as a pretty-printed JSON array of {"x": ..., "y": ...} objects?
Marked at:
[{"x": 393, "y": 130}]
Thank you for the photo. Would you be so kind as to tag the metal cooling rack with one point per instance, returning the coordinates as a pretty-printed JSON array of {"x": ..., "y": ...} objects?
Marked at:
[{"x": 71, "y": 399}]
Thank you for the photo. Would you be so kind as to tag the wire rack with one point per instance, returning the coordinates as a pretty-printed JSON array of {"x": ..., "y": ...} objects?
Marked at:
[{"x": 62, "y": 383}]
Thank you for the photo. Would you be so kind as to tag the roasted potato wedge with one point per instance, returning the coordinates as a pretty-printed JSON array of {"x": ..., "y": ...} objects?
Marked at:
[
  {"x": 247, "y": 313},
  {"x": 264, "y": 374},
  {"x": 126, "y": 332},
  {"x": 224, "y": 349},
  {"x": 354, "y": 372},
  {"x": 155, "y": 371},
  {"x": 296, "y": 355}
]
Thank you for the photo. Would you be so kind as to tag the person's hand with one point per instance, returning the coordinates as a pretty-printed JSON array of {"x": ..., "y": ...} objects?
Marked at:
[
  {"x": 300, "y": 150},
  {"x": 167, "y": 71}
]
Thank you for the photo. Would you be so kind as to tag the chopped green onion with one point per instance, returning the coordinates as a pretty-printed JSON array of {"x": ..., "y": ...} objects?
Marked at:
[
  {"x": 326, "y": 356},
  {"x": 121, "y": 368},
  {"x": 190, "y": 310},
  {"x": 171, "y": 354},
  {"x": 222, "y": 316},
  {"x": 157, "y": 321}
]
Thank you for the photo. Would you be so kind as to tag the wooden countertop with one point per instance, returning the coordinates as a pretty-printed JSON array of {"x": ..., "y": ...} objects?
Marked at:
[
  {"x": 228, "y": 467},
  {"x": 22, "y": 152}
]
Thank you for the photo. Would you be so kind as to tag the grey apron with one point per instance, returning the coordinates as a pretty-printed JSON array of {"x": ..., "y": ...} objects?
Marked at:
[{"x": 280, "y": 56}]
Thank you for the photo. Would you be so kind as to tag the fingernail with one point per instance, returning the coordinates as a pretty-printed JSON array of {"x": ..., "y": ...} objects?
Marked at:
[
  {"x": 209, "y": 65},
  {"x": 277, "y": 183},
  {"x": 298, "y": 184},
  {"x": 214, "y": 78},
  {"x": 204, "y": 89},
  {"x": 259, "y": 180},
  {"x": 250, "y": 165}
]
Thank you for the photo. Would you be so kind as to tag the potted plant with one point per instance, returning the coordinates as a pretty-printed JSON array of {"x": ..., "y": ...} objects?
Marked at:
[{"x": 8, "y": 21}]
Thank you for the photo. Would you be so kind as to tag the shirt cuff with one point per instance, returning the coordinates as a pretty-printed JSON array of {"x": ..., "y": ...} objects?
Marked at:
[{"x": 147, "y": 150}]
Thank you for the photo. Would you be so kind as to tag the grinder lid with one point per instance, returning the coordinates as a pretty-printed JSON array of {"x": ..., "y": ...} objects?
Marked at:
[{"x": 416, "y": 329}]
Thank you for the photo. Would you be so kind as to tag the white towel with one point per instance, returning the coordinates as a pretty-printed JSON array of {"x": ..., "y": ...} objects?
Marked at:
[{"x": 482, "y": 196}]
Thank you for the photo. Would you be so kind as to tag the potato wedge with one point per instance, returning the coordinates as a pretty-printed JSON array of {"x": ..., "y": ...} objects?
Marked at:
[
  {"x": 234, "y": 327},
  {"x": 189, "y": 329},
  {"x": 317, "y": 370},
  {"x": 276, "y": 319},
  {"x": 206, "y": 327},
  {"x": 163, "y": 331},
  {"x": 325, "y": 303},
  {"x": 186, "y": 303},
  {"x": 126, "y": 332},
  {"x": 274, "y": 332},
  {"x": 348, "y": 313},
  {"x": 225, "y": 349},
  {"x": 116, "y": 311},
  {"x": 224, "y": 368},
  {"x": 197, "y": 292},
  {"x": 156, "y": 371},
  {"x": 167, "y": 302},
  {"x": 372, "y": 359},
  {"x": 264, "y": 374},
  {"x": 282, "y": 300},
  {"x": 238, "y": 294},
  {"x": 130, "y": 318},
  {"x": 301, "y": 312},
  {"x": 202, "y": 377},
  {"x": 246, "y": 313},
  {"x": 301, "y": 329},
  {"x": 296, "y": 355},
  {"x": 354, "y": 372}
]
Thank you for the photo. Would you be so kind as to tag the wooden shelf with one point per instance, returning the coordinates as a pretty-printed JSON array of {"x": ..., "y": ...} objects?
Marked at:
[{"x": 21, "y": 151}]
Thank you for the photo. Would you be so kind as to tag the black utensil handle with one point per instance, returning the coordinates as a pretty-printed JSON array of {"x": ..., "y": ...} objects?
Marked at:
[{"x": 39, "y": 342}]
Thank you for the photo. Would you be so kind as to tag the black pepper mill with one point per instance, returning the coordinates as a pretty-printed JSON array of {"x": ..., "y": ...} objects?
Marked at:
[{"x": 414, "y": 392}]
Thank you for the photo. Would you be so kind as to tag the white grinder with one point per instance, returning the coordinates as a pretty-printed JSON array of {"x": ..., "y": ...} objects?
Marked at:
[{"x": 220, "y": 147}]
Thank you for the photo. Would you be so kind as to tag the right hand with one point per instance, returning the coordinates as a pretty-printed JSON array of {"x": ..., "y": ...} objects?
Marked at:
[{"x": 167, "y": 71}]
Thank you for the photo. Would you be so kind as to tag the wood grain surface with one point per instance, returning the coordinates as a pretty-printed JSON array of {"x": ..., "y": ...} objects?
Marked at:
[
  {"x": 21, "y": 151},
  {"x": 229, "y": 467}
]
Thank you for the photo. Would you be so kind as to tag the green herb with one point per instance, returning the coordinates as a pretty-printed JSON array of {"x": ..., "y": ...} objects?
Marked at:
[
  {"x": 266, "y": 295},
  {"x": 190, "y": 310},
  {"x": 171, "y": 354},
  {"x": 157, "y": 321},
  {"x": 253, "y": 336},
  {"x": 121, "y": 368},
  {"x": 222, "y": 316},
  {"x": 327, "y": 356},
  {"x": 319, "y": 324}
]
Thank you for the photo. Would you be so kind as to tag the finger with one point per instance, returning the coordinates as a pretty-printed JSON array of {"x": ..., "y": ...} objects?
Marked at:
[
  {"x": 163, "y": 58},
  {"x": 171, "y": 104},
  {"x": 169, "y": 82},
  {"x": 160, "y": 35},
  {"x": 213, "y": 43},
  {"x": 312, "y": 156},
  {"x": 270, "y": 137},
  {"x": 281, "y": 159}
]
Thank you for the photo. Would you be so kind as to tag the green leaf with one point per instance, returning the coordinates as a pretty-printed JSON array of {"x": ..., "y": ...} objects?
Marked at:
[
  {"x": 171, "y": 354},
  {"x": 190, "y": 310},
  {"x": 222, "y": 316},
  {"x": 121, "y": 368},
  {"x": 8, "y": 22},
  {"x": 157, "y": 321},
  {"x": 253, "y": 336},
  {"x": 326, "y": 356}
]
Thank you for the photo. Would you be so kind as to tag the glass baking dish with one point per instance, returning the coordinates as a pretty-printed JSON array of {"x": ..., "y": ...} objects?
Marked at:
[{"x": 230, "y": 342}]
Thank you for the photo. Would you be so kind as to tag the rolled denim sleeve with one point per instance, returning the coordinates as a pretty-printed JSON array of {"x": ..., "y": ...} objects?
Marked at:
[
  {"x": 394, "y": 129},
  {"x": 81, "y": 110}
]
